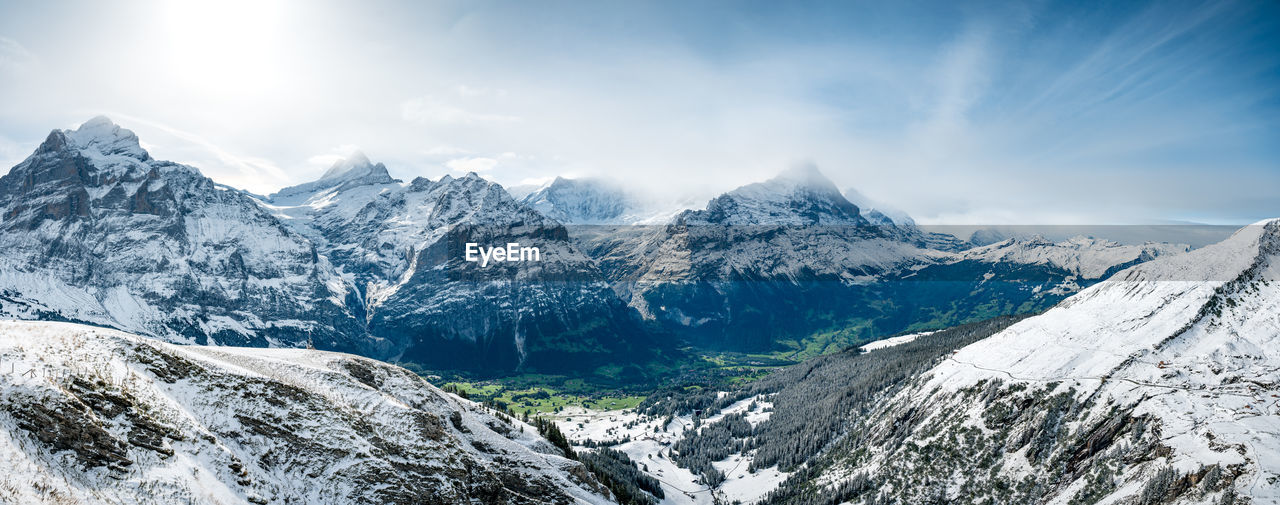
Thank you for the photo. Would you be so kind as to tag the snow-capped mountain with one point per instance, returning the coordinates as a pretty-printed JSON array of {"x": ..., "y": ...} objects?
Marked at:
[
  {"x": 99, "y": 416},
  {"x": 590, "y": 201},
  {"x": 800, "y": 196},
  {"x": 96, "y": 230},
  {"x": 348, "y": 173},
  {"x": 1158, "y": 385},
  {"x": 795, "y": 226},
  {"x": 403, "y": 246}
]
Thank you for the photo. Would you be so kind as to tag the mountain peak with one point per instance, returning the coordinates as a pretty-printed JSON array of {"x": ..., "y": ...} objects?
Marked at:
[
  {"x": 357, "y": 162},
  {"x": 98, "y": 135},
  {"x": 800, "y": 195},
  {"x": 353, "y": 171},
  {"x": 806, "y": 176}
]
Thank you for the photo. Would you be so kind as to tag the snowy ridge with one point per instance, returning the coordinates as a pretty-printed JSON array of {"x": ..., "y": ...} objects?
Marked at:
[
  {"x": 100, "y": 416},
  {"x": 1161, "y": 382},
  {"x": 1166, "y": 295},
  {"x": 1086, "y": 257}
]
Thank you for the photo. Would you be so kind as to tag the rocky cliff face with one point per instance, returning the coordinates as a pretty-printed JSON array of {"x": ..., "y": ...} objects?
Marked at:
[
  {"x": 404, "y": 246},
  {"x": 95, "y": 230}
]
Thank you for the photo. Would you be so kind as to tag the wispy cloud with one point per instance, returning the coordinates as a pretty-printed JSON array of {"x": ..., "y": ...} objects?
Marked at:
[
  {"x": 14, "y": 57},
  {"x": 430, "y": 110},
  {"x": 253, "y": 173}
]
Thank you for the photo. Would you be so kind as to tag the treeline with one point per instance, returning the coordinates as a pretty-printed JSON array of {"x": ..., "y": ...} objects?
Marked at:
[
  {"x": 814, "y": 402},
  {"x": 548, "y": 429},
  {"x": 714, "y": 442},
  {"x": 613, "y": 468},
  {"x": 621, "y": 475}
]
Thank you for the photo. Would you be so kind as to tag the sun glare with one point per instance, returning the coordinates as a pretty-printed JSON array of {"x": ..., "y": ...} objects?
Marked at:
[{"x": 227, "y": 46}]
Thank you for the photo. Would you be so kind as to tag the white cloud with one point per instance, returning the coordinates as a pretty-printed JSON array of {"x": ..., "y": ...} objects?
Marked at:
[
  {"x": 475, "y": 164},
  {"x": 13, "y": 56},
  {"x": 339, "y": 153}
]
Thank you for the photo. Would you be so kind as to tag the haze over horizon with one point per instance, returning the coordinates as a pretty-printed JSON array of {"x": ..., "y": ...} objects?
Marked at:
[{"x": 1053, "y": 113}]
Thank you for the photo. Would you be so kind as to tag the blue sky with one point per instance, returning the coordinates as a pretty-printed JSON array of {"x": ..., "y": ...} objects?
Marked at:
[{"x": 994, "y": 113}]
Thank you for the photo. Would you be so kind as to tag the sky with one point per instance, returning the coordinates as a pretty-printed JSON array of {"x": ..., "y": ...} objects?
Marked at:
[{"x": 955, "y": 112}]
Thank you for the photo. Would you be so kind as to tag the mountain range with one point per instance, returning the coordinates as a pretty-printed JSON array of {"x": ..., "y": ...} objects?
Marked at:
[
  {"x": 1147, "y": 374},
  {"x": 97, "y": 231},
  {"x": 790, "y": 257}
]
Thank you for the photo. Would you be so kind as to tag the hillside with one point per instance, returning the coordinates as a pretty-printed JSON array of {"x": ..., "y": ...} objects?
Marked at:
[
  {"x": 1158, "y": 385},
  {"x": 99, "y": 416}
]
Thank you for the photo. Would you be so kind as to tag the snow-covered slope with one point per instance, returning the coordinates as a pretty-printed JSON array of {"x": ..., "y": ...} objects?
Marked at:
[
  {"x": 1158, "y": 385},
  {"x": 99, "y": 416},
  {"x": 403, "y": 248},
  {"x": 94, "y": 229}
]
